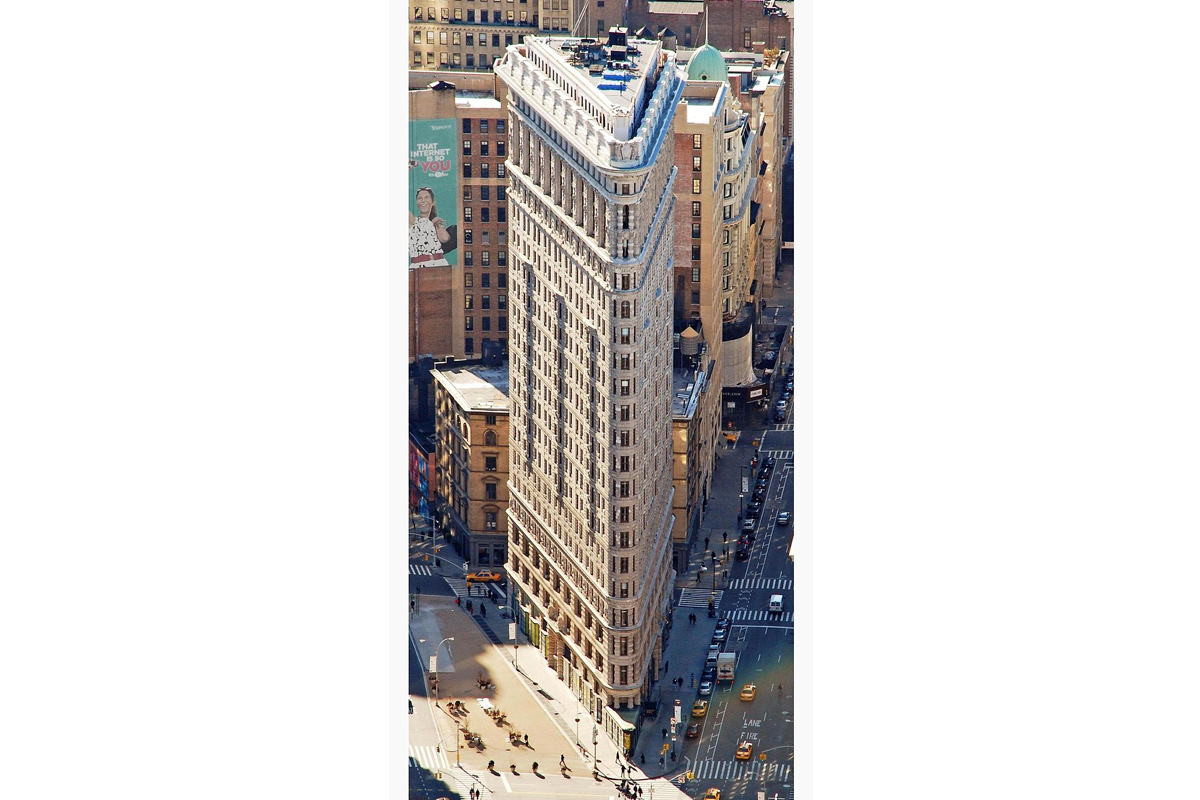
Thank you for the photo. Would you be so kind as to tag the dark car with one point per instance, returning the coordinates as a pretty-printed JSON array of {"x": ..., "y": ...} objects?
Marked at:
[
  {"x": 693, "y": 730},
  {"x": 769, "y": 463},
  {"x": 759, "y": 495},
  {"x": 753, "y": 510},
  {"x": 723, "y": 624},
  {"x": 780, "y": 416},
  {"x": 710, "y": 674},
  {"x": 743, "y": 553},
  {"x": 791, "y": 368}
]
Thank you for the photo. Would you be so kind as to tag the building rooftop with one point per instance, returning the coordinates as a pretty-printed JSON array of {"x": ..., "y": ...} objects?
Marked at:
[
  {"x": 697, "y": 7},
  {"x": 700, "y": 109},
  {"x": 476, "y": 388},
  {"x": 472, "y": 99},
  {"x": 617, "y": 71},
  {"x": 685, "y": 390}
]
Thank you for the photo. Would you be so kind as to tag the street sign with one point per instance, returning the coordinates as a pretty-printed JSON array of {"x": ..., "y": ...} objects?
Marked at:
[
  {"x": 512, "y": 631},
  {"x": 433, "y": 663}
]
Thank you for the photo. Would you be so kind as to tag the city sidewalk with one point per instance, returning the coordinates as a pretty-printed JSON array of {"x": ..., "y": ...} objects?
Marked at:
[{"x": 536, "y": 703}]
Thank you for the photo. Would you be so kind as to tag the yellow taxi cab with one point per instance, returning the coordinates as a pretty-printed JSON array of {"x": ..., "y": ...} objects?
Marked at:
[
  {"x": 744, "y": 751},
  {"x": 482, "y": 576},
  {"x": 713, "y": 794},
  {"x": 699, "y": 708},
  {"x": 749, "y": 691}
]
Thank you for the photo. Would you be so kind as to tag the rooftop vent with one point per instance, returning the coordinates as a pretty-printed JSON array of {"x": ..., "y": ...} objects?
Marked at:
[{"x": 618, "y": 36}]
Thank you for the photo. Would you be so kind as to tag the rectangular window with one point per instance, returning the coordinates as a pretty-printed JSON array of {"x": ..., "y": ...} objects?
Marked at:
[
  {"x": 501, "y": 194},
  {"x": 466, "y": 147},
  {"x": 444, "y": 59},
  {"x": 486, "y": 237},
  {"x": 695, "y": 230},
  {"x": 500, "y": 170},
  {"x": 483, "y": 170},
  {"x": 502, "y": 282},
  {"x": 695, "y": 208},
  {"x": 489, "y": 491},
  {"x": 468, "y": 212},
  {"x": 695, "y": 298},
  {"x": 485, "y": 193},
  {"x": 728, "y": 212},
  {"x": 470, "y": 323},
  {"x": 695, "y": 274},
  {"x": 485, "y": 258},
  {"x": 489, "y": 463},
  {"x": 502, "y": 300},
  {"x": 468, "y": 279},
  {"x": 469, "y": 302},
  {"x": 503, "y": 323},
  {"x": 725, "y": 259},
  {"x": 499, "y": 126},
  {"x": 725, "y": 237},
  {"x": 500, "y": 147},
  {"x": 695, "y": 163},
  {"x": 466, "y": 170},
  {"x": 502, "y": 255},
  {"x": 418, "y": 13},
  {"x": 695, "y": 252},
  {"x": 469, "y": 345},
  {"x": 728, "y": 189},
  {"x": 417, "y": 58},
  {"x": 457, "y": 18},
  {"x": 470, "y": 18},
  {"x": 485, "y": 280},
  {"x": 468, "y": 258},
  {"x": 428, "y": 37},
  {"x": 416, "y": 37},
  {"x": 746, "y": 38},
  {"x": 470, "y": 36},
  {"x": 483, "y": 126},
  {"x": 502, "y": 214},
  {"x": 471, "y": 60},
  {"x": 725, "y": 286},
  {"x": 487, "y": 323},
  {"x": 490, "y": 419},
  {"x": 487, "y": 302},
  {"x": 485, "y": 214},
  {"x": 695, "y": 186},
  {"x": 456, "y": 59},
  {"x": 697, "y": 142},
  {"x": 467, "y": 236},
  {"x": 444, "y": 36}
]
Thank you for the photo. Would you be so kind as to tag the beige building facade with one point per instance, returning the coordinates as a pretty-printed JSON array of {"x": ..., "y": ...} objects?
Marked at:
[
  {"x": 472, "y": 461},
  {"x": 591, "y": 249}
]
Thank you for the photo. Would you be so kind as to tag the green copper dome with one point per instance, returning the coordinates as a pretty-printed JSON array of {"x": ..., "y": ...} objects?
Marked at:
[{"x": 707, "y": 64}]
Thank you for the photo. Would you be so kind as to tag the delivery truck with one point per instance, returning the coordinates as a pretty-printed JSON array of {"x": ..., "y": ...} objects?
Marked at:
[{"x": 725, "y": 665}]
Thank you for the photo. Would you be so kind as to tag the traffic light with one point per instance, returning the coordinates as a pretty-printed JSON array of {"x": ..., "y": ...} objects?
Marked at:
[{"x": 665, "y": 748}]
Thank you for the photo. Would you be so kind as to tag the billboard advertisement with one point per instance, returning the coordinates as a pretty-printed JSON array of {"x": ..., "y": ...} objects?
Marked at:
[{"x": 432, "y": 193}]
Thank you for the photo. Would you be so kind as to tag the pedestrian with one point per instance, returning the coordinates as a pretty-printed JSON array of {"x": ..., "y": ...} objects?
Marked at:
[
  {"x": 705, "y": 542},
  {"x": 664, "y": 730},
  {"x": 562, "y": 761},
  {"x": 724, "y": 537},
  {"x": 483, "y": 609},
  {"x": 643, "y": 758},
  {"x": 661, "y": 761},
  {"x": 527, "y": 740},
  {"x": 666, "y": 666}
]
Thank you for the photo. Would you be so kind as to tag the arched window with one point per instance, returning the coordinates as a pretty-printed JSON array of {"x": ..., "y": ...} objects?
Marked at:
[{"x": 489, "y": 438}]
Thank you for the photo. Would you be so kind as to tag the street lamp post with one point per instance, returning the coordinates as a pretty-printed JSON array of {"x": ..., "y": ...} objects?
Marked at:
[{"x": 437, "y": 691}]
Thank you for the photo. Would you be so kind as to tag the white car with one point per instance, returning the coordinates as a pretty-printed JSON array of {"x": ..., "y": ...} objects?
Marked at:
[
  {"x": 747, "y": 524},
  {"x": 784, "y": 518},
  {"x": 705, "y": 688}
]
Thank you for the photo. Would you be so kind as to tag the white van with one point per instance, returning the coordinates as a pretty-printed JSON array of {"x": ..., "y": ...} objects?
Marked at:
[{"x": 776, "y": 604}]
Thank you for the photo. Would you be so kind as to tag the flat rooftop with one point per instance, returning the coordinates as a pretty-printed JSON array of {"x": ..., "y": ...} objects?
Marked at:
[
  {"x": 476, "y": 388},
  {"x": 617, "y": 72},
  {"x": 700, "y": 109},
  {"x": 685, "y": 390},
  {"x": 473, "y": 99}
]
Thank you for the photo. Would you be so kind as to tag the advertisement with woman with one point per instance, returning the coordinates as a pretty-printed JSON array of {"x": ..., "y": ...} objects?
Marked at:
[{"x": 432, "y": 194}]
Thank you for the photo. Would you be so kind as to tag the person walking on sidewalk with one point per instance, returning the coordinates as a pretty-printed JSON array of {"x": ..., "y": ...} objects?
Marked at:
[{"x": 562, "y": 761}]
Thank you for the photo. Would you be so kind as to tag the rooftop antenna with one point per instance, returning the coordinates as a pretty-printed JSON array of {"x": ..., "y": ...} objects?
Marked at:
[{"x": 706, "y": 21}]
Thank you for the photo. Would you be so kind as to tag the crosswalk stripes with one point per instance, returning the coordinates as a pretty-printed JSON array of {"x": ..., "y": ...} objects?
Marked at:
[
  {"x": 737, "y": 770},
  {"x": 698, "y": 598},
  {"x": 419, "y": 569},
  {"x": 755, "y": 583},
  {"x": 778, "y": 455},
  {"x": 428, "y": 758},
  {"x": 784, "y": 427},
  {"x": 458, "y": 586},
  {"x": 747, "y": 615}
]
